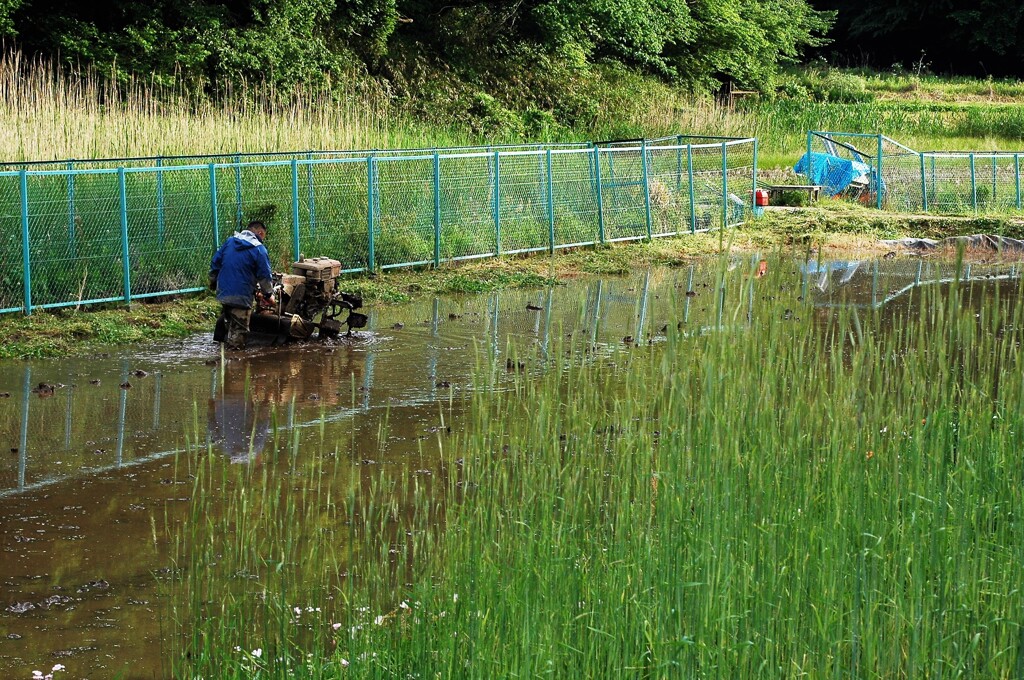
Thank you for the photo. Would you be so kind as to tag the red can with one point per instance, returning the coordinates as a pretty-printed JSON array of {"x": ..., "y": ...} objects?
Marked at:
[{"x": 760, "y": 198}]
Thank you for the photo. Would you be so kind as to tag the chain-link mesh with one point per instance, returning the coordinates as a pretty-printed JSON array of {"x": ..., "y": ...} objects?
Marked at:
[
  {"x": 12, "y": 276},
  {"x": 523, "y": 217},
  {"x": 467, "y": 206},
  {"x": 574, "y": 192},
  {"x": 340, "y": 203},
  {"x": 404, "y": 205},
  {"x": 119, "y": 230},
  {"x": 972, "y": 182},
  {"x": 170, "y": 230},
  {"x": 623, "y": 195},
  {"x": 952, "y": 183}
]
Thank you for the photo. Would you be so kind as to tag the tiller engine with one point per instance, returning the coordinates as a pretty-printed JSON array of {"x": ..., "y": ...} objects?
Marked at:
[{"x": 309, "y": 303}]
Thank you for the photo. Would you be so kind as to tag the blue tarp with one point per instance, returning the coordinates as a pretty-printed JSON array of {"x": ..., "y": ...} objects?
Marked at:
[{"x": 832, "y": 172}]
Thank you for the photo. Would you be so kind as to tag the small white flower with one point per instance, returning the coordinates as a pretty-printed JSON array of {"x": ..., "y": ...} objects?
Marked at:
[
  {"x": 58, "y": 667},
  {"x": 335, "y": 626},
  {"x": 455, "y": 597},
  {"x": 404, "y": 605},
  {"x": 37, "y": 674},
  {"x": 379, "y": 620},
  {"x": 258, "y": 652},
  {"x": 344, "y": 663},
  {"x": 298, "y": 611},
  {"x": 237, "y": 648}
]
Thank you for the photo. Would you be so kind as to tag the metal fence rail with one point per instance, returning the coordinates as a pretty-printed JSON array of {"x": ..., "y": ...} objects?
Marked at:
[
  {"x": 78, "y": 232},
  {"x": 902, "y": 179}
]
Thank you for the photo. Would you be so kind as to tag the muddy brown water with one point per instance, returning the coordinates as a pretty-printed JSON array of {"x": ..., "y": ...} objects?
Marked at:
[{"x": 88, "y": 480}]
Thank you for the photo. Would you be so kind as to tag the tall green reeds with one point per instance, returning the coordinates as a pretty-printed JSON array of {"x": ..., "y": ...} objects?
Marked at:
[{"x": 789, "y": 491}]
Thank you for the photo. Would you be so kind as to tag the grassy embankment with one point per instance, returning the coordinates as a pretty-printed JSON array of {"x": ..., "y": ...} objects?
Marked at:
[
  {"x": 49, "y": 115},
  {"x": 739, "y": 503}
]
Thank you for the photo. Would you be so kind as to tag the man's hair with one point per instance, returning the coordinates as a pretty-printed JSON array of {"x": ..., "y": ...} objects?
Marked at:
[{"x": 256, "y": 224}]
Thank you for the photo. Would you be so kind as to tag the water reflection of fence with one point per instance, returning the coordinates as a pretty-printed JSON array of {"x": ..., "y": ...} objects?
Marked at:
[
  {"x": 125, "y": 436},
  {"x": 101, "y": 432},
  {"x": 867, "y": 283},
  {"x": 106, "y": 231}
]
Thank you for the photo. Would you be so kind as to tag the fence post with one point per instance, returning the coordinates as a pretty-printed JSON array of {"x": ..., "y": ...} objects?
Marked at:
[
  {"x": 312, "y": 195},
  {"x": 126, "y": 264},
  {"x": 551, "y": 208},
  {"x": 924, "y": 187},
  {"x": 874, "y": 282},
  {"x": 753, "y": 187},
  {"x": 597, "y": 187},
  {"x": 995, "y": 170},
  {"x": 878, "y": 187},
  {"x": 72, "y": 235},
  {"x": 26, "y": 260},
  {"x": 296, "y": 245},
  {"x": 437, "y": 209},
  {"x": 238, "y": 191},
  {"x": 810, "y": 159},
  {"x": 214, "y": 217},
  {"x": 1016, "y": 176},
  {"x": 371, "y": 261},
  {"x": 693, "y": 198},
  {"x": 974, "y": 186},
  {"x": 160, "y": 202},
  {"x": 934, "y": 191},
  {"x": 725, "y": 186},
  {"x": 497, "y": 205},
  {"x": 23, "y": 438},
  {"x": 647, "y": 188},
  {"x": 679, "y": 162}
]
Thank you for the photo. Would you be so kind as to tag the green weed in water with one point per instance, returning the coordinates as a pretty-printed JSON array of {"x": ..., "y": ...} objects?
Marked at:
[{"x": 784, "y": 490}]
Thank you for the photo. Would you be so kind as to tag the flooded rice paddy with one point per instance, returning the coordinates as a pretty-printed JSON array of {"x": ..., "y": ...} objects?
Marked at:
[{"x": 95, "y": 476}]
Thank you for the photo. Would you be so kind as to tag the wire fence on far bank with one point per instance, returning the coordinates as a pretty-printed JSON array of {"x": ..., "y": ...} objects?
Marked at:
[
  {"x": 904, "y": 180},
  {"x": 80, "y": 233}
]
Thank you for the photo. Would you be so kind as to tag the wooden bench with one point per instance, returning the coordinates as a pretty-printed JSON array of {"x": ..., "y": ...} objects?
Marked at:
[{"x": 775, "y": 191}]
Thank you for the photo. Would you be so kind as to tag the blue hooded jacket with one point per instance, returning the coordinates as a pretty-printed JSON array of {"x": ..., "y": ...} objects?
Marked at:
[{"x": 238, "y": 266}]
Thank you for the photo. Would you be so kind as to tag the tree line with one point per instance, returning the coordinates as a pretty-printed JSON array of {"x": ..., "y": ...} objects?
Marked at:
[
  {"x": 970, "y": 37},
  {"x": 696, "y": 43},
  {"x": 692, "y": 43}
]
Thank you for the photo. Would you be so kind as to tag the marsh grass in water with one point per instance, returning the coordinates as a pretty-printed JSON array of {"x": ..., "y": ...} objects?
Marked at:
[{"x": 803, "y": 490}]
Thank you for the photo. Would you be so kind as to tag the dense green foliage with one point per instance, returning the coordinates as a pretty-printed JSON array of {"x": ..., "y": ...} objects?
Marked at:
[
  {"x": 289, "y": 42},
  {"x": 963, "y": 36}
]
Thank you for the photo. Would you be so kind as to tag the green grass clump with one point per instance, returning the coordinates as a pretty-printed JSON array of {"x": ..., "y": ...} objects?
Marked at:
[
  {"x": 67, "y": 332},
  {"x": 799, "y": 491}
]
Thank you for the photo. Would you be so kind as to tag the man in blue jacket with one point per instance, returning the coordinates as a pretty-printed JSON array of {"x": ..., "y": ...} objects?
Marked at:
[{"x": 238, "y": 267}]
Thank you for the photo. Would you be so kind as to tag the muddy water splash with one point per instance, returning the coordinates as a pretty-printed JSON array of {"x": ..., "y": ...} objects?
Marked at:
[{"x": 90, "y": 474}]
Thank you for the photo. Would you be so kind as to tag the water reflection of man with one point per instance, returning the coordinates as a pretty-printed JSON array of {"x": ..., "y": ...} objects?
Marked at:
[
  {"x": 237, "y": 424},
  {"x": 239, "y": 415}
]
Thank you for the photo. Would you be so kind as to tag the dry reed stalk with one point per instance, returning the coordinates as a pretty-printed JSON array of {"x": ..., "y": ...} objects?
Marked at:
[{"x": 50, "y": 112}]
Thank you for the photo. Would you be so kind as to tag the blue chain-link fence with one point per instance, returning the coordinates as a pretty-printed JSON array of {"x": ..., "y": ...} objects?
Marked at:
[
  {"x": 901, "y": 179},
  {"x": 117, "y": 230}
]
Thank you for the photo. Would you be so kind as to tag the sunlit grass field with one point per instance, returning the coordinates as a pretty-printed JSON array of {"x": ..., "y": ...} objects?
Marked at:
[{"x": 791, "y": 491}]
